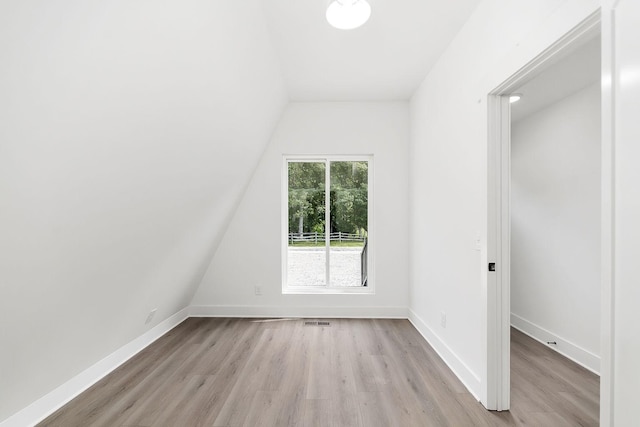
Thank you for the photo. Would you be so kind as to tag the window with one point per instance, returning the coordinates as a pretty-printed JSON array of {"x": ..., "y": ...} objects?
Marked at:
[{"x": 326, "y": 235}]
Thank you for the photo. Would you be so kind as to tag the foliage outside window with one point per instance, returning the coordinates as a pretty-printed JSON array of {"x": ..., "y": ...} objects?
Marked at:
[{"x": 327, "y": 234}]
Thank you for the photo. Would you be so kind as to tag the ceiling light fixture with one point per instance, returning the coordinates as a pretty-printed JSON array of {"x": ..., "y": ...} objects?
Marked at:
[
  {"x": 348, "y": 14},
  {"x": 515, "y": 97}
]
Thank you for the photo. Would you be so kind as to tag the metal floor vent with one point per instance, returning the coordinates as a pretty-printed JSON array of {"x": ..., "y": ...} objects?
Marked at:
[{"x": 314, "y": 323}]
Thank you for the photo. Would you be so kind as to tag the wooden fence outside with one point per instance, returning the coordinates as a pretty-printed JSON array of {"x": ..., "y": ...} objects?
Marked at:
[{"x": 320, "y": 237}]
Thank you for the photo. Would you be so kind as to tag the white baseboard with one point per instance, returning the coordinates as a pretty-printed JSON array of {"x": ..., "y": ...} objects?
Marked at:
[
  {"x": 48, "y": 404},
  {"x": 470, "y": 380},
  {"x": 321, "y": 312},
  {"x": 565, "y": 347}
]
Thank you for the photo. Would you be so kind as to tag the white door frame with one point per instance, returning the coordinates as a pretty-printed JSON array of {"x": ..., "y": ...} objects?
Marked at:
[
  {"x": 607, "y": 324},
  {"x": 498, "y": 214}
]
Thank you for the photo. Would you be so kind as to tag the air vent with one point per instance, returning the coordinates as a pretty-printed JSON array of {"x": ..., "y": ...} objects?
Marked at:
[{"x": 314, "y": 323}]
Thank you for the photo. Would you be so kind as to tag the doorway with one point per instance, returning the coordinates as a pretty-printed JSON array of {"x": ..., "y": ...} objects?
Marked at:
[
  {"x": 555, "y": 205},
  {"x": 499, "y": 273}
]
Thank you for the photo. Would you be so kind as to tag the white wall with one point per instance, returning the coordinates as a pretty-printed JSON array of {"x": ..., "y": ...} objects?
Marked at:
[
  {"x": 555, "y": 225},
  {"x": 128, "y": 131},
  {"x": 250, "y": 252},
  {"x": 448, "y": 177}
]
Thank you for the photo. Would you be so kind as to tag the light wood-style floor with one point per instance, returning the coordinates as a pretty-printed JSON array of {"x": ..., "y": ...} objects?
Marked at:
[{"x": 246, "y": 372}]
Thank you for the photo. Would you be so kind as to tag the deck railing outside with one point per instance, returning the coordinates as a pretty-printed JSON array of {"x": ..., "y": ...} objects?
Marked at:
[{"x": 363, "y": 264}]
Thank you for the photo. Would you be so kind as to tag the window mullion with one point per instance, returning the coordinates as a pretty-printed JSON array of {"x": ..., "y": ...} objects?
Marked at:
[{"x": 327, "y": 220}]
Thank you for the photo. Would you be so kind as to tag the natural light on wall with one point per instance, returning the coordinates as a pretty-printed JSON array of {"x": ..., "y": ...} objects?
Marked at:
[{"x": 348, "y": 14}]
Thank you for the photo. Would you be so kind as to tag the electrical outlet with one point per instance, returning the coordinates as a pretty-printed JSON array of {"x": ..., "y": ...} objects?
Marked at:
[
  {"x": 258, "y": 290},
  {"x": 150, "y": 316},
  {"x": 443, "y": 319}
]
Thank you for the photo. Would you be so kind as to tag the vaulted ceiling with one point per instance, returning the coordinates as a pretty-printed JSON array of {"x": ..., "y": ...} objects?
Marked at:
[
  {"x": 128, "y": 132},
  {"x": 386, "y": 58}
]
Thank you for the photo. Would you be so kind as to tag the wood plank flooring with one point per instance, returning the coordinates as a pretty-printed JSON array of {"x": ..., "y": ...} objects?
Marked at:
[{"x": 248, "y": 372}]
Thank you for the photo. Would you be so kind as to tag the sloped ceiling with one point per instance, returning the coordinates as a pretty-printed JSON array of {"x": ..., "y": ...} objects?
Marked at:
[
  {"x": 128, "y": 130},
  {"x": 385, "y": 59}
]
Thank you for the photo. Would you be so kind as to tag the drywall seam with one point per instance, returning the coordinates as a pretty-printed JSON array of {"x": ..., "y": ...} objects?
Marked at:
[
  {"x": 52, "y": 401},
  {"x": 571, "y": 351},
  {"x": 469, "y": 378}
]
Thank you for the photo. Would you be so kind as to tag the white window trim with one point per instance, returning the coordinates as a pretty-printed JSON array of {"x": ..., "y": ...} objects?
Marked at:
[{"x": 284, "y": 215}]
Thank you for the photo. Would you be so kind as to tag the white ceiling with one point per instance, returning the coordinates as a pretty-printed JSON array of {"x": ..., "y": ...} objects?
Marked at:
[
  {"x": 387, "y": 58},
  {"x": 564, "y": 76}
]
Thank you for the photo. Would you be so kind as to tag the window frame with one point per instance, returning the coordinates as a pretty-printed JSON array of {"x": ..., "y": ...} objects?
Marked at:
[{"x": 284, "y": 233}]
